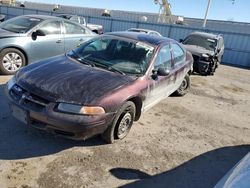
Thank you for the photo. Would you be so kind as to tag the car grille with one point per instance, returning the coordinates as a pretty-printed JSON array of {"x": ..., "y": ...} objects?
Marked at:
[
  {"x": 27, "y": 99},
  {"x": 196, "y": 57}
]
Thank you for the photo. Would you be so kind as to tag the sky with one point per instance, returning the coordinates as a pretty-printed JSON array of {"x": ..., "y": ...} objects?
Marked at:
[{"x": 219, "y": 10}]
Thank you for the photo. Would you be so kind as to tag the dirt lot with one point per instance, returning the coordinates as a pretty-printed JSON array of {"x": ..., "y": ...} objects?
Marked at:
[{"x": 182, "y": 142}]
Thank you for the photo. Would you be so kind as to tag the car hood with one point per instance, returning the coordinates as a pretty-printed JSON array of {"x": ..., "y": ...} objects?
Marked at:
[
  {"x": 197, "y": 50},
  {"x": 7, "y": 34},
  {"x": 61, "y": 79}
]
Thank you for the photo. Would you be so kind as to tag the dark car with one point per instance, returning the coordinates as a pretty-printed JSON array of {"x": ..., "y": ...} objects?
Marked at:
[
  {"x": 100, "y": 87},
  {"x": 30, "y": 38},
  {"x": 238, "y": 176},
  {"x": 207, "y": 50}
]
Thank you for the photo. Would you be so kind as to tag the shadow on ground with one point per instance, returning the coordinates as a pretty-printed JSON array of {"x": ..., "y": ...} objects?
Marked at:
[
  {"x": 202, "y": 171},
  {"x": 19, "y": 141}
]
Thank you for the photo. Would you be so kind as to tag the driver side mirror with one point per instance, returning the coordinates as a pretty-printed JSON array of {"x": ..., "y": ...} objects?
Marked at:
[
  {"x": 37, "y": 33},
  {"x": 181, "y": 40},
  {"x": 160, "y": 72}
]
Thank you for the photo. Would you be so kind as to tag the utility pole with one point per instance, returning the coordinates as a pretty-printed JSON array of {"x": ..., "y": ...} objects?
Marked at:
[
  {"x": 165, "y": 14},
  {"x": 205, "y": 19}
]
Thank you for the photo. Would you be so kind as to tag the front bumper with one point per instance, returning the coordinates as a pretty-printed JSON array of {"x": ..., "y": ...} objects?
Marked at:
[
  {"x": 201, "y": 66},
  {"x": 44, "y": 116}
]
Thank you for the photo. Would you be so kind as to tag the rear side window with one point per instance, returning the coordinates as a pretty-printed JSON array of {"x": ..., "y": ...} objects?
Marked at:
[
  {"x": 178, "y": 54},
  {"x": 51, "y": 28},
  {"x": 71, "y": 28},
  {"x": 82, "y": 20},
  {"x": 75, "y": 19}
]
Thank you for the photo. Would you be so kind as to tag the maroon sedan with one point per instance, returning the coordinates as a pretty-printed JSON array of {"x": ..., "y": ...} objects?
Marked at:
[{"x": 102, "y": 87}]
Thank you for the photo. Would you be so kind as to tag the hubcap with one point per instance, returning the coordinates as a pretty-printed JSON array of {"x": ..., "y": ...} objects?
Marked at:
[
  {"x": 124, "y": 125},
  {"x": 183, "y": 85},
  {"x": 12, "y": 61}
]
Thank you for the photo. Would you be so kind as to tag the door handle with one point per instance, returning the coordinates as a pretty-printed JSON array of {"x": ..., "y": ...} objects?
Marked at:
[{"x": 58, "y": 41}]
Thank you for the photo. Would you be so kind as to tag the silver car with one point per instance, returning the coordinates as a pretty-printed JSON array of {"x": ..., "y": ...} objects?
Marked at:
[
  {"x": 27, "y": 39},
  {"x": 147, "y": 31}
]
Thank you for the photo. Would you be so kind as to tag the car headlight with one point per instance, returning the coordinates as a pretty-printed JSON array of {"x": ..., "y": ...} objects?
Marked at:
[
  {"x": 11, "y": 82},
  {"x": 77, "y": 109},
  {"x": 205, "y": 57}
]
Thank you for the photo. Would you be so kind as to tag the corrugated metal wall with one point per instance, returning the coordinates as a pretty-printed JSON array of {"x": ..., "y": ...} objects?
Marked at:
[{"x": 236, "y": 35}]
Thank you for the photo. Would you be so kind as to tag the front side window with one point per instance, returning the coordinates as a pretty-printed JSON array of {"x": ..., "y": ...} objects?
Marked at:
[
  {"x": 51, "y": 28},
  {"x": 71, "y": 28},
  {"x": 220, "y": 46},
  {"x": 20, "y": 24},
  {"x": 178, "y": 54},
  {"x": 163, "y": 58},
  {"x": 111, "y": 53}
]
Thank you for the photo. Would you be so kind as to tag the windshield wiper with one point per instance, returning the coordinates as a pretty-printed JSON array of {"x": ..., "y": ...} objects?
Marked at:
[
  {"x": 110, "y": 68},
  {"x": 81, "y": 59},
  {"x": 105, "y": 66}
]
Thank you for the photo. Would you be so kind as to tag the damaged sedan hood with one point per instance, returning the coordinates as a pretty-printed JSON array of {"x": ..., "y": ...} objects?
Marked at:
[
  {"x": 61, "y": 79},
  {"x": 197, "y": 50}
]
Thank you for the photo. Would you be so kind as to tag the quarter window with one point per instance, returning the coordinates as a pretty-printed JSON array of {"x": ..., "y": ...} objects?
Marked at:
[
  {"x": 51, "y": 28},
  {"x": 178, "y": 54},
  {"x": 163, "y": 58},
  {"x": 71, "y": 28}
]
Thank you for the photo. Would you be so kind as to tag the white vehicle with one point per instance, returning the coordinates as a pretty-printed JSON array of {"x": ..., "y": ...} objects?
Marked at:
[
  {"x": 147, "y": 31},
  {"x": 81, "y": 20}
]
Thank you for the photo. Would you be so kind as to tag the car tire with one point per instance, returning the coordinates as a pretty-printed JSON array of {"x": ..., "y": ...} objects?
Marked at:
[
  {"x": 121, "y": 124},
  {"x": 11, "y": 60},
  {"x": 184, "y": 87}
]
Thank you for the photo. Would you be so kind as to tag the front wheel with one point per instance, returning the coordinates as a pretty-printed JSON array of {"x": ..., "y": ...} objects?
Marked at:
[
  {"x": 184, "y": 87},
  {"x": 11, "y": 60},
  {"x": 122, "y": 123}
]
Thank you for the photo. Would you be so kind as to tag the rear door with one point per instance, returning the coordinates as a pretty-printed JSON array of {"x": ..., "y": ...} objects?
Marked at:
[
  {"x": 51, "y": 44},
  {"x": 74, "y": 35},
  {"x": 180, "y": 67}
]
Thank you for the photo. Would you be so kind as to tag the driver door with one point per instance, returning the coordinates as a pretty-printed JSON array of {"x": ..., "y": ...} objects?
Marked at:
[
  {"x": 160, "y": 87},
  {"x": 51, "y": 44}
]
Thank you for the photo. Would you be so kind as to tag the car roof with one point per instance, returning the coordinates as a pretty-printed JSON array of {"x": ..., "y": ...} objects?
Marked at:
[
  {"x": 207, "y": 35},
  {"x": 141, "y": 29},
  {"x": 43, "y": 17},
  {"x": 142, "y": 37}
]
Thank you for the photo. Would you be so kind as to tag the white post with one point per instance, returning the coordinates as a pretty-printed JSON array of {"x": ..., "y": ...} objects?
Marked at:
[{"x": 205, "y": 19}]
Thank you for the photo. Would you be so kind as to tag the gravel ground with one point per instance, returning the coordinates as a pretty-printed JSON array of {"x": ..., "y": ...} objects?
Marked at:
[{"x": 189, "y": 141}]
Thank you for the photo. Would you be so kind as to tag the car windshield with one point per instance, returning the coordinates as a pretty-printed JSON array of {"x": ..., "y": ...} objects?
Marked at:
[
  {"x": 207, "y": 43},
  {"x": 20, "y": 24},
  {"x": 114, "y": 54}
]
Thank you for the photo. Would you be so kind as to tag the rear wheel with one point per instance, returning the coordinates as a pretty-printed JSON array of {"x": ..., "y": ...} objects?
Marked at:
[
  {"x": 11, "y": 60},
  {"x": 184, "y": 87},
  {"x": 122, "y": 123}
]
